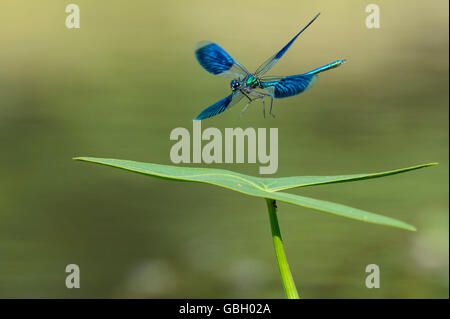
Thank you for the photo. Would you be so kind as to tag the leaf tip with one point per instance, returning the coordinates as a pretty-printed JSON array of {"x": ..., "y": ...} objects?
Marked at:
[{"x": 81, "y": 158}]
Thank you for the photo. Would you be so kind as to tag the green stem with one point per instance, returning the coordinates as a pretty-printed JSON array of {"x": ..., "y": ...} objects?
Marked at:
[{"x": 286, "y": 276}]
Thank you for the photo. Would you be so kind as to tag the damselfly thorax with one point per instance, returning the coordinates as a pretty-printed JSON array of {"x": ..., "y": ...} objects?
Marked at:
[
  {"x": 247, "y": 87},
  {"x": 250, "y": 82}
]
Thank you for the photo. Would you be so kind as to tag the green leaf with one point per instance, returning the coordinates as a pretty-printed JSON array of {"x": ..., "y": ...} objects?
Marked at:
[
  {"x": 264, "y": 187},
  {"x": 283, "y": 183}
]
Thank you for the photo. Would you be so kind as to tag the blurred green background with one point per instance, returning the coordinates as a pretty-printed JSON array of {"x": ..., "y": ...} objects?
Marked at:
[{"x": 116, "y": 88}]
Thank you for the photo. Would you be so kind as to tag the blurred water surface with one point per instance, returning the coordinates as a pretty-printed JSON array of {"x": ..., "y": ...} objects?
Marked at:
[{"x": 117, "y": 87}]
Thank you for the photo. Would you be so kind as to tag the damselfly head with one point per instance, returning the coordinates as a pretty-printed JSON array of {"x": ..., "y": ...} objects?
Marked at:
[{"x": 235, "y": 85}]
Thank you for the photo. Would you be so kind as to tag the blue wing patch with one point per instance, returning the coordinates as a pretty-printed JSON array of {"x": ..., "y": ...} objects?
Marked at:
[
  {"x": 220, "y": 106},
  {"x": 213, "y": 58},
  {"x": 289, "y": 85}
]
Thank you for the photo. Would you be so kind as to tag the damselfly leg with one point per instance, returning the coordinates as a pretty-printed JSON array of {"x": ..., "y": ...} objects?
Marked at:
[
  {"x": 271, "y": 104},
  {"x": 248, "y": 97},
  {"x": 261, "y": 95},
  {"x": 244, "y": 109}
]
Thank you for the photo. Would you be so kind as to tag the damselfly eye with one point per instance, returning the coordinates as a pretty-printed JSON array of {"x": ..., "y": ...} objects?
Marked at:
[{"x": 234, "y": 84}]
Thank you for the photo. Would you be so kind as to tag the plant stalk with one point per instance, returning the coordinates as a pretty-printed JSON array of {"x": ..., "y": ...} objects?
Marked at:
[{"x": 286, "y": 276}]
